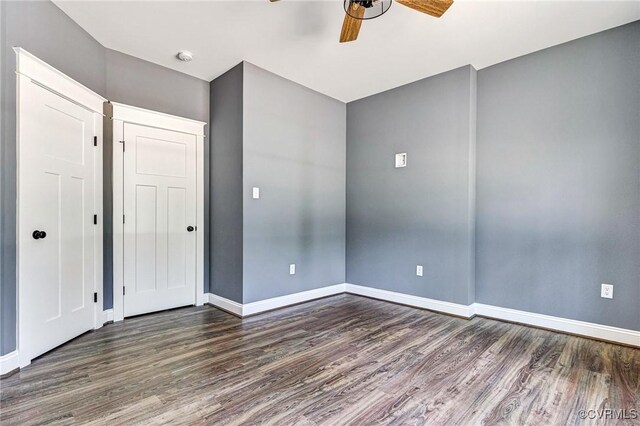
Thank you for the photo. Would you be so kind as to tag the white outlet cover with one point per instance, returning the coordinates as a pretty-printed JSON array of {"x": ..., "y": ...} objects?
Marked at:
[
  {"x": 606, "y": 291},
  {"x": 419, "y": 270},
  {"x": 292, "y": 269},
  {"x": 401, "y": 160},
  {"x": 256, "y": 193}
]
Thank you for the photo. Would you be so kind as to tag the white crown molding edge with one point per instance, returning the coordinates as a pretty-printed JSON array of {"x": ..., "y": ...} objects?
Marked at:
[
  {"x": 9, "y": 362},
  {"x": 45, "y": 75},
  {"x": 147, "y": 117},
  {"x": 563, "y": 325}
]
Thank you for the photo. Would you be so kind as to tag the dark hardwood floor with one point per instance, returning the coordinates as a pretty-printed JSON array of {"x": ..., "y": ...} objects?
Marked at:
[{"x": 339, "y": 360}]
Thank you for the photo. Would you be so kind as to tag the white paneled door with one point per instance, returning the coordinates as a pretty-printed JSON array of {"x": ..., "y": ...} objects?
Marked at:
[
  {"x": 159, "y": 219},
  {"x": 57, "y": 203}
]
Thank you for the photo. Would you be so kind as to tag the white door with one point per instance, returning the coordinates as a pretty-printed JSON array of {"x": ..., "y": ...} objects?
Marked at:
[
  {"x": 56, "y": 226},
  {"x": 159, "y": 219}
]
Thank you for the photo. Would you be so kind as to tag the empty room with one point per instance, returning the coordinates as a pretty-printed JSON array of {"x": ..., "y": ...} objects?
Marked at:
[{"x": 330, "y": 212}]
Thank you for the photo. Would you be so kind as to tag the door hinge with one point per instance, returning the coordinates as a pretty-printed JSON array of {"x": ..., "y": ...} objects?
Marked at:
[
  {"x": 123, "y": 145},
  {"x": 123, "y": 290},
  {"x": 95, "y": 297},
  {"x": 95, "y": 141},
  {"x": 95, "y": 219},
  {"x": 122, "y": 218}
]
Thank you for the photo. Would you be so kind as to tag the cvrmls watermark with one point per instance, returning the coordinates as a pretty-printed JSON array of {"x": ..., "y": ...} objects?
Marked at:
[{"x": 609, "y": 414}]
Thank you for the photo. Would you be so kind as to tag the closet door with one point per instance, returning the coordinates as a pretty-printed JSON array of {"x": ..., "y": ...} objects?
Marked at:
[
  {"x": 56, "y": 226},
  {"x": 160, "y": 219}
]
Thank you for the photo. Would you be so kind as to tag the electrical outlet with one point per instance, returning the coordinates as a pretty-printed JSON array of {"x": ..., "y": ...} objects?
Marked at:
[
  {"x": 256, "y": 193},
  {"x": 292, "y": 269},
  {"x": 419, "y": 270},
  {"x": 606, "y": 291}
]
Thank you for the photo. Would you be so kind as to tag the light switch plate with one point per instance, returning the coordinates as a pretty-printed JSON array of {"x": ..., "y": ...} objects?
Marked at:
[
  {"x": 401, "y": 160},
  {"x": 606, "y": 291},
  {"x": 292, "y": 269},
  {"x": 419, "y": 270},
  {"x": 256, "y": 193}
]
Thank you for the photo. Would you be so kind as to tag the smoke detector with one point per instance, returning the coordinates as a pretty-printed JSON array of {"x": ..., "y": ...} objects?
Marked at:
[{"x": 185, "y": 56}]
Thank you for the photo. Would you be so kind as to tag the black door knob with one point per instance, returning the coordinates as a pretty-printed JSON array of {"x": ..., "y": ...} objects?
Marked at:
[
  {"x": 38, "y": 234},
  {"x": 189, "y": 228}
]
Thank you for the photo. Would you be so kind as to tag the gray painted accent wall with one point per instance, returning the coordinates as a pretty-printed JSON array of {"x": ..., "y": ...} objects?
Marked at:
[
  {"x": 226, "y": 184},
  {"x": 133, "y": 81},
  {"x": 398, "y": 218},
  {"x": 558, "y": 209},
  {"x": 294, "y": 151}
]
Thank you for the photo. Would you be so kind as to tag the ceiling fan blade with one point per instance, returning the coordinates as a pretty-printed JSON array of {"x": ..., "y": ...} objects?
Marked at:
[
  {"x": 435, "y": 8},
  {"x": 351, "y": 25}
]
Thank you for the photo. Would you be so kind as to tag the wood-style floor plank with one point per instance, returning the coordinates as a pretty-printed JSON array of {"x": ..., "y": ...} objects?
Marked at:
[{"x": 339, "y": 360}]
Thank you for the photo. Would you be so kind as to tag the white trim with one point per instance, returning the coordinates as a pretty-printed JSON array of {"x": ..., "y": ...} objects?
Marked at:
[
  {"x": 582, "y": 328},
  {"x": 31, "y": 69},
  {"x": 290, "y": 299},
  {"x": 225, "y": 304},
  {"x": 243, "y": 310},
  {"x": 98, "y": 231},
  {"x": 118, "y": 227},
  {"x": 200, "y": 296},
  {"x": 107, "y": 316},
  {"x": 122, "y": 114},
  {"x": 465, "y": 311},
  {"x": 45, "y": 75},
  {"x": 147, "y": 117},
  {"x": 9, "y": 362}
]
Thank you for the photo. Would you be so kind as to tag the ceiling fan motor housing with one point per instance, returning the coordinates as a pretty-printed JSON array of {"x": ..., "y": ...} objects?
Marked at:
[{"x": 372, "y": 8}]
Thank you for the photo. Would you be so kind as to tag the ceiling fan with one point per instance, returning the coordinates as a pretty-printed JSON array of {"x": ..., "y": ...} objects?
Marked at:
[{"x": 360, "y": 10}]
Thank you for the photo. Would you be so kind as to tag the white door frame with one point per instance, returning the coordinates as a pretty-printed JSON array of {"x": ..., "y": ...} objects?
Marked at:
[
  {"x": 31, "y": 69},
  {"x": 129, "y": 114}
]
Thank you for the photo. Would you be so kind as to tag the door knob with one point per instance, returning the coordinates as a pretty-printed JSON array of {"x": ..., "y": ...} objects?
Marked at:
[
  {"x": 38, "y": 234},
  {"x": 189, "y": 228}
]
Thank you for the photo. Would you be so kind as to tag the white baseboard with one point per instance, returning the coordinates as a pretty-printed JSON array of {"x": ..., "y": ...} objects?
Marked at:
[
  {"x": 243, "y": 310},
  {"x": 582, "y": 328},
  {"x": 465, "y": 311},
  {"x": 9, "y": 362},
  {"x": 225, "y": 304},
  {"x": 107, "y": 316},
  {"x": 291, "y": 299}
]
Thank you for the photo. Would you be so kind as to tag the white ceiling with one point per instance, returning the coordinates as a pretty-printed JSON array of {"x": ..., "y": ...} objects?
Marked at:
[{"x": 299, "y": 39}]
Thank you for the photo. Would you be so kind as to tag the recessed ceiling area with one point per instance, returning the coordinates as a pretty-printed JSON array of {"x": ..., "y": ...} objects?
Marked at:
[{"x": 299, "y": 39}]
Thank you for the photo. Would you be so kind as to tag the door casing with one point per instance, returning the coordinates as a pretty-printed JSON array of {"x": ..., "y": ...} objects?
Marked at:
[
  {"x": 31, "y": 70},
  {"x": 122, "y": 114}
]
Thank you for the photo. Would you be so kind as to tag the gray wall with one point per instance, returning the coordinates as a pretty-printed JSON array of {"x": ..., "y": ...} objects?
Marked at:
[
  {"x": 45, "y": 31},
  {"x": 226, "y": 184},
  {"x": 294, "y": 151},
  {"x": 558, "y": 209},
  {"x": 421, "y": 214},
  {"x": 132, "y": 81}
]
